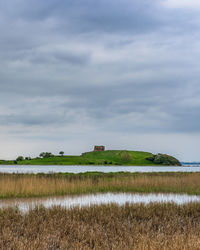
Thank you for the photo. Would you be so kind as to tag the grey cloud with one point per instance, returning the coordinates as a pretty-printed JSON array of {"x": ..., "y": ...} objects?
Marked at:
[
  {"x": 58, "y": 56},
  {"x": 27, "y": 119},
  {"x": 103, "y": 16},
  {"x": 86, "y": 67},
  {"x": 136, "y": 105},
  {"x": 72, "y": 58}
]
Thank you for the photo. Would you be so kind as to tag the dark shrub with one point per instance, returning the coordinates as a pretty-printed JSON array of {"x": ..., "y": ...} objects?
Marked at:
[
  {"x": 46, "y": 155},
  {"x": 151, "y": 158},
  {"x": 165, "y": 159},
  {"x": 28, "y": 158},
  {"x": 20, "y": 158}
]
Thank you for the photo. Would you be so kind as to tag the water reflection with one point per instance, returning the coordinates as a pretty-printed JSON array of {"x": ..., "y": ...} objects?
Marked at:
[{"x": 97, "y": 199}]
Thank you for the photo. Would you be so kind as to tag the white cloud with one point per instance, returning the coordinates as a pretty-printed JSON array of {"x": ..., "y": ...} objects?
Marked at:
[{"x": 182, "y": 4}]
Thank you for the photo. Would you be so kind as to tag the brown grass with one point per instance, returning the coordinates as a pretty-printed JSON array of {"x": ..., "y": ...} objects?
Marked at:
[
  {"x": 155, "y": 226},
  {"x": 14, "y": 185}
]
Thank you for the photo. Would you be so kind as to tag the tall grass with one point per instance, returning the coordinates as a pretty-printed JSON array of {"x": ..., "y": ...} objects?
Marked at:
[
  {"x": 155, "y": 226},
  {"x": 20, "y": 185}
]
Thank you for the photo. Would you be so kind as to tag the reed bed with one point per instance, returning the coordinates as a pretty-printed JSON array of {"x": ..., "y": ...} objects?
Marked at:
[
  {"x": 154, "y": 226},
  {"x": 24, "y": 185}
]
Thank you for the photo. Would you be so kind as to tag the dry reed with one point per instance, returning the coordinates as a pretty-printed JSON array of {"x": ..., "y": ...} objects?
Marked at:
[
  {"x": 155, "y": 226},
  {"x": 33, "y": 185}
]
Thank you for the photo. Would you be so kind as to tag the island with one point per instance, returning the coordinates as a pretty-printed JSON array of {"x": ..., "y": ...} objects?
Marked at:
[{"x": 99, "y": 156}]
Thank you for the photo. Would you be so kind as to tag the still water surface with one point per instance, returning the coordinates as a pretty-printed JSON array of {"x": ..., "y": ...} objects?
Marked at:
[
  {"x": 97, "y": 199},
  {"x": 83, "y": 169}
]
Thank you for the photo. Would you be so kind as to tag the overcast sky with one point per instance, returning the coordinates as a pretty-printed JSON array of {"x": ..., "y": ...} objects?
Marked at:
[{"x": 119, "y": 73}]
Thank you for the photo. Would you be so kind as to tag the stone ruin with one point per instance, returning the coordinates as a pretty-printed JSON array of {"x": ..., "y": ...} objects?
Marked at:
[{"x": 99, "y": 148}]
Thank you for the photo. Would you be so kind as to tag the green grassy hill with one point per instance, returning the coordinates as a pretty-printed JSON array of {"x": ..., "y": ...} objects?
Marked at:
[{"x": 108, "y": 157}]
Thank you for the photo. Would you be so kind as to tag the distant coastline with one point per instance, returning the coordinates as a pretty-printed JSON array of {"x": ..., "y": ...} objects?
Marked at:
[
  {"x": 191, "y": 163},
  {"x": 102, "y": 157}
]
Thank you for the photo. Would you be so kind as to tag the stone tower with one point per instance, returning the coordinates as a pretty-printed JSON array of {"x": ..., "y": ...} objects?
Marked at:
[{"x": 99, "y": 148}]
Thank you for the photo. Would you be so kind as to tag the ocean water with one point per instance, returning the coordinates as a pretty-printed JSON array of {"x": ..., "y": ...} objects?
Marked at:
[{"x": 105, "y": 169}]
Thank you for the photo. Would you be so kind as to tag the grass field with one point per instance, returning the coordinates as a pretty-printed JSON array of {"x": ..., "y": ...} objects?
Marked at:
[
  {"x": 30, "y": 185},
  {"x": 155, "y": 226},
  {"x": 108, "y": 157}
]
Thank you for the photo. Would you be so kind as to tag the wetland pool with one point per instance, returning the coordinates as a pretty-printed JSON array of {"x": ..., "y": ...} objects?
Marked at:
[{"x": 25, "y": 204}]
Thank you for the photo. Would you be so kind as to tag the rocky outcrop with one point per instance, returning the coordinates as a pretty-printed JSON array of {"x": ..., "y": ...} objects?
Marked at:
[{"x": 164, "y": 159}]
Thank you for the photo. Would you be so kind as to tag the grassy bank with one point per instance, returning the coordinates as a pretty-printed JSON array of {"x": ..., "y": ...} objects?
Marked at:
[
  {"x": 25, "y": 185},
  {"x": 155, "y": 226},
  {"x": 108, "y": 157}
]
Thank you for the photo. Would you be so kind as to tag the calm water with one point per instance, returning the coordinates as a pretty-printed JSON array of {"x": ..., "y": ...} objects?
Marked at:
[
  {"x": 97, "y": 199},
  {"x": 105, "y": 169}
]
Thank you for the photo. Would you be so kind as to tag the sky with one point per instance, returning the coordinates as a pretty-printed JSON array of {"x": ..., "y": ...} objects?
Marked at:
[{"x": 119, "y": 73}]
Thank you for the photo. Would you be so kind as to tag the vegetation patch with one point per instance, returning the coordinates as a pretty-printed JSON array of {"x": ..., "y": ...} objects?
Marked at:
[
  {"x": 163, "y": 159},
  {"x": 38, "y": 185},
  {"x": 108, "y": 157},
  {"x": 154, "y": 226}
]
